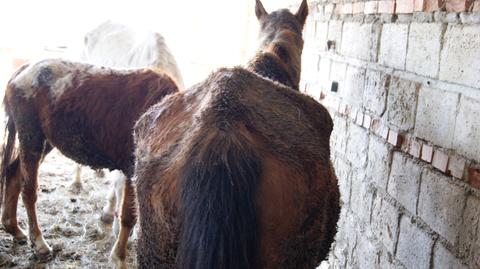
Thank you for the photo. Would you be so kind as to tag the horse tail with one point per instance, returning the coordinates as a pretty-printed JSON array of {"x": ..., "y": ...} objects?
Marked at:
[
  {"x": 218, "y": 220},
  {"x": 8, "y": 152}
]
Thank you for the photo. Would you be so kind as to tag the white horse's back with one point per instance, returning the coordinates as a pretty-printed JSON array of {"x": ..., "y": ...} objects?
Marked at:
[{"x": 119, "y": 46}]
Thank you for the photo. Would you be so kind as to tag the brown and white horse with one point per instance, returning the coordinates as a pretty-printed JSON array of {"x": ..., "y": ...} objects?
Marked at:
[
  {"x": 235, "y": 172},
  {"x": 86, "y": 112},
  {"x": 119, "y": 46}
]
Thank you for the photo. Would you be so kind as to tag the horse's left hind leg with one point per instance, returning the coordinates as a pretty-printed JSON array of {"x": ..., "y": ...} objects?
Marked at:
[
  {"x": 128, "y": 219},
  {"x": 12, "y": 192},
  {"x": 29, "y": 163}
]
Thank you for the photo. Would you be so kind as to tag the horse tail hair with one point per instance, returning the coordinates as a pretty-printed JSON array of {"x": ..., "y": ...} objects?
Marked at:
[
  {"x": 8, "y": 150},
  {"x": 218, "y": 218}
]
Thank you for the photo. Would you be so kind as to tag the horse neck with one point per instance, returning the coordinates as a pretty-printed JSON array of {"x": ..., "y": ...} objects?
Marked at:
[{"x": 269, "y": 63}]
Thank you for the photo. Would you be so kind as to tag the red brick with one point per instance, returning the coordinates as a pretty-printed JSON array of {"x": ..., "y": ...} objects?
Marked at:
[
  {"x": 342, "y": 109},
  {"x": 359, "y": 119},
  {"x": 387, "y": 7},
  {"x": 339, "y": 9},
  {"x": 440, "y": 160},
  {"x": 358, "y": 7},
  {"x": 406, "y": 144},
  {"x": 473, "y": 176},
  {"x": 394, "y": 138},
  {"x": 375, "y": 125},
  {"x": 404, "y": 6},
  {"x": 383, "y": 131},
  {"x": 329, "y": 8},
  {"x": 457, "y": 5},
  {"x": 415, "y": 148},
  {"x": 352, "y": 114},
  {"x": 371, "y": 7},
  {"x": 348, "y": 110},
  {"x": 419, "y": 5},
  {"x": 322, "y": 96},
  {"x": 456, "y": 166},
  {"x": 427, "y": 152},
  {"x": 434, "y": 5},
  {"x": 367, "y": 121},
  {"x": 347, "y": 8}
]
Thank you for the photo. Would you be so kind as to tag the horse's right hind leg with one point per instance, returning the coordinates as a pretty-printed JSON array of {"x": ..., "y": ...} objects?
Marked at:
[{"x": 12, "y": 192}]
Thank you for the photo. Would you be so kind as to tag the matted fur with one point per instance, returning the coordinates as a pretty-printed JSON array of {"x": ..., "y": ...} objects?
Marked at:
[
  {"x": 240, "y": 130},
  {"x": 89, "y": 117}
]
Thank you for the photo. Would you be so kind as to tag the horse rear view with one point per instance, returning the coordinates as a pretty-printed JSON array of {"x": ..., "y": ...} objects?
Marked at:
[{"x": 235, "y": 172}]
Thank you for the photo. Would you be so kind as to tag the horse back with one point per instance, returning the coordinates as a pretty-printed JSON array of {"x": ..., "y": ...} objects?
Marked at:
[{"x": 87, "y": 112}]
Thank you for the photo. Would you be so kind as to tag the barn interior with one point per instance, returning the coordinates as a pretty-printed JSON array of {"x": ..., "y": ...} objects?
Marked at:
[{"x": 400, "y": 79}]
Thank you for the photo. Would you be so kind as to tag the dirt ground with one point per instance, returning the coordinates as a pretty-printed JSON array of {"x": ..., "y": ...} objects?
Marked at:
[{"x": 70, "y": 221}]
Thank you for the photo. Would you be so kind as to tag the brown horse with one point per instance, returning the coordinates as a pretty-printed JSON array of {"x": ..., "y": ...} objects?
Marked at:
[
  {"x": 88, "y": 113},
  {"x": 235, "y": 172}
]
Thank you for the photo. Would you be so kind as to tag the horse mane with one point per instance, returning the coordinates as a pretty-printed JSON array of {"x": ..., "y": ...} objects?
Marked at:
[{"x": 279, "y": 58}]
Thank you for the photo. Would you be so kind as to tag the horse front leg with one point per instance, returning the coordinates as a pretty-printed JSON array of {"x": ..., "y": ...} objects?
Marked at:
[{"x": 128, "y": 219}]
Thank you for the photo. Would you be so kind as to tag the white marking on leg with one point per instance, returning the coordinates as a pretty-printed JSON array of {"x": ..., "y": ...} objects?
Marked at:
[
  {"x": 41, "y": 247},
  {"x": 109, "y": 208},
  {"x": 77, "y": 180},
  {"x": 119, "y": 250},
  {"x": 76, "y": 185},
  {"x": 114, "y": 199},
  {"x": 119, "y": 185}
]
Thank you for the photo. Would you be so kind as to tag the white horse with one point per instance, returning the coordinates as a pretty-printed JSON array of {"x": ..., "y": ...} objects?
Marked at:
[{"x": 121, "y": 47}]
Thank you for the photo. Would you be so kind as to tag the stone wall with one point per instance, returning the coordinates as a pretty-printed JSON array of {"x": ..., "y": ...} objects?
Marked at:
[{"x": 402, "y": 82}]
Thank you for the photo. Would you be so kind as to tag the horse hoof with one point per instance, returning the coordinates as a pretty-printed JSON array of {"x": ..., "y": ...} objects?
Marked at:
[
  {"x": 21, "y": 240},
  {"x": 19, "y": 236},
  {"x": 43, "y": 254},
  {"x": 116, "y": 261},
  {"x": 107, "y": 218}
]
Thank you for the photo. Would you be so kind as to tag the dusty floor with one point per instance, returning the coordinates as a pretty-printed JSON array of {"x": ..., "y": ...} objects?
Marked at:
[{"x": 70, "y": 222}]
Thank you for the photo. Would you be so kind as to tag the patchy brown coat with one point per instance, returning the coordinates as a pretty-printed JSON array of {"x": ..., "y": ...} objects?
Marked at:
[
  {"x": 88, "y": 113},
  {"x": 91, "y": 121},
  {"x": 297, "y": 197}
]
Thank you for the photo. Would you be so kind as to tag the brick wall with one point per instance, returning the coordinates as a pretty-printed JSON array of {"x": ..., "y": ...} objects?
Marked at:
[{"x": 402, "y": 82}]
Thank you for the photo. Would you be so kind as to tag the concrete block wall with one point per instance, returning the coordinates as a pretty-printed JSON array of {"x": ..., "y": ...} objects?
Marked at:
[{"x": 401, "y": 79}]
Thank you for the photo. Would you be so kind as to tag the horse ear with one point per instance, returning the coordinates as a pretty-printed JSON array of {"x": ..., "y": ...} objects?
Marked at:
[
  {"x": 302, "y": 12},
  {"x": 259, "y": 9}
]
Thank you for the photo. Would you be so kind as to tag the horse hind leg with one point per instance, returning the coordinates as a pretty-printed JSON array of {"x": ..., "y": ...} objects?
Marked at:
[
  {"x": 114, "y": 198},
  {"x": 128, "y": 219},
  {"x": 12, "y": 192},
  {"x": 76, "y": 185},
  {"x": 32, "y": 152}
]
